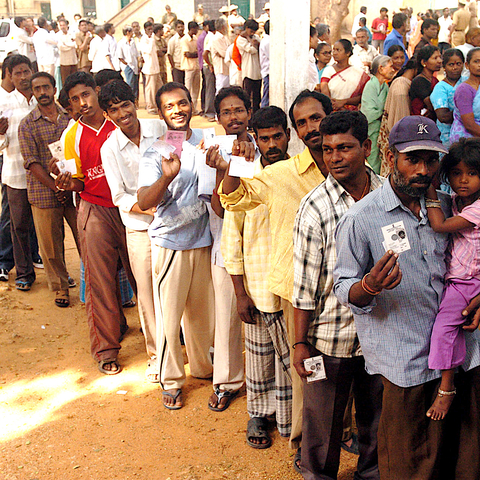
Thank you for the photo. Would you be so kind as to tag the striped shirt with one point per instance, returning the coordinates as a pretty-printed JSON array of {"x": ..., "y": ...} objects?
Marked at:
[
  {"x": 246, "y": 244},
  {"x": 332, "y": 329},
  {"x": 395, "y": 328}
]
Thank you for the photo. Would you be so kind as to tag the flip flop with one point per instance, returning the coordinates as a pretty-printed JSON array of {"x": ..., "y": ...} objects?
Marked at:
[
  {"x": 152, "y": 373},
  {"x": 257, "y": 428},
  {"x": 102, "y": 363},
  {"x": 227, "y": 394},
  {"x": 23, "y": 286},
  {"x": 174, "y": 397}
]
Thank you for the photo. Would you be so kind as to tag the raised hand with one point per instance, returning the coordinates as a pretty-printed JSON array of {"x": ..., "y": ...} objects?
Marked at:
[
  {"x": 171, "y": 166},
  {"x": 385, "y": 274},
  {"x": 244, "y": 149}
]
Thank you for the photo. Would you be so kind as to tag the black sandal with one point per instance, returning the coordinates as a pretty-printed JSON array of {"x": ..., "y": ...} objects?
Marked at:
[{"x": 257, "y": 428}]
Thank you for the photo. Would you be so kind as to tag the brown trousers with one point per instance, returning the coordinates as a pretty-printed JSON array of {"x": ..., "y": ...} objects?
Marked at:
[
  {"x": 66, "y": 70},
  {"x": 104, "y": 250}
]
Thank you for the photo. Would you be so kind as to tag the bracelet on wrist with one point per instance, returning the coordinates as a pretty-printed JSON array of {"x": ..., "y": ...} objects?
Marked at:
[
  {"x": 366, "y": 288},
  {"x": 300, "y": 343}
]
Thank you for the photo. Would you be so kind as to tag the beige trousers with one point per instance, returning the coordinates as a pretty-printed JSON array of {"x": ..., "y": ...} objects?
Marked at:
[
  {"x": 152, "y": 84},
  {"x": 49, "y": 225},
  {"x": 140, "y": 256},
  {"x": 297, "y": 384},
  {"x": 182, "y": 285},
  {"x": 192, "y": 82},
  {"x": 228, "y": 370},
  {"x": 47, "y": 68}
]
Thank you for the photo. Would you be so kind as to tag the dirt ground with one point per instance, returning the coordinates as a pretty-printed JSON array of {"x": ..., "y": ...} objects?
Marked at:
[{"x": 62, "y": 419}]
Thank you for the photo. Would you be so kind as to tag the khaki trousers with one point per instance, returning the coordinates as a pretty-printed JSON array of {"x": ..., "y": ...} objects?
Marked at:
[
  {"x": 140, "y": 256},
  {"x": 228, "y": 368},
  {"x": 297, "y": 384},
  {"x": 458, "y": 38},
  {"x": 50, "y": 229},
  {"x": 182, "y": 286},
  {"x": 152, "y": 84},
  {"x": 192, "y": 82}
]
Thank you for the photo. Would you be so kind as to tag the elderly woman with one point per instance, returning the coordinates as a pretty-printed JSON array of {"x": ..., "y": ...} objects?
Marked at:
[
  {"x": 341, "y": 82},
  {"x": 373, "y": 102},
  {"x": 466, "y": 111}
]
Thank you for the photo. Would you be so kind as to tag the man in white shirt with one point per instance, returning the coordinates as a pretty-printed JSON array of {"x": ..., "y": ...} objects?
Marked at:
[
  {"x": 44, "y": 44},
  {"x": 19, "y": 103},
  {"x": 264, "y": 52},
  {"x": 445, "y": 22},
  {"x": 121, "y": 154},
  {"x": 219, "y": 51},
  {"x": 248, "y": 44},
  {"x": 111, "y": 46},
  {"x": 127, "y": 55},
  {"x": 235, "y": 19},
  {"x": 24, "y": 41},
  {"x": 151, "y": 67},
  {"x": 68, "y": 50},
  {"x": 363, "y": 53},
  {"x": 98, "y": 51},
  {"x": 356, "y": 25},
  {"x": 174, "y": 53},
  {"x": 189, "y": 63},
  {"x": 208, "y": 69}
]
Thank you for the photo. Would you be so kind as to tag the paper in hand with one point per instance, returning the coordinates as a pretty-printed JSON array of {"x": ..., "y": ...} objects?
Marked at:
[
  {"x": 395, "y": 237},
  {"x": 67, "y": 166},
  {"x": 239, "y": 167},
  {"x": 163, "y": 148},
  {"x": 317, "y": 366},
  {"x": 207, "y": 176},
  {"x": 175, "y": 138},
  {"x": 7, "y": 113},
  {"x": 209, "y": 137},
  {"x": 56, "y": 149}
]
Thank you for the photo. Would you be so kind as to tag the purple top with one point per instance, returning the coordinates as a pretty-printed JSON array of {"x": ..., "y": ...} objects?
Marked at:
[
  {"x": 464, "y": 96},
  {"x": 200, "y": 43}
]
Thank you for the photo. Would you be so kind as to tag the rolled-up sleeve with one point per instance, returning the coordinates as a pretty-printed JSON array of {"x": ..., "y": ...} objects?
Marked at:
[
  {"x": 353, "y": 262},
  {"x": 232, "y": 242},
  {"x": 28, "y": 146},
  {"x": 150, "y": 169}
]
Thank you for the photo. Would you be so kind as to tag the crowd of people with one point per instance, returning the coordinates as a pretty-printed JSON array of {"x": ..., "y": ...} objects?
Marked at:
[{"x": 358, "y": 293}]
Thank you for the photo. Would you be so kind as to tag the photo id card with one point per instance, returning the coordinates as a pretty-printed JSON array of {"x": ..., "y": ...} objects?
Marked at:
[
  {"x": 176, "y": 138},
  {"x": 395, "y": 238},
  {"x": 315, "y": 365},
  {"x": 239, "y": 167}
]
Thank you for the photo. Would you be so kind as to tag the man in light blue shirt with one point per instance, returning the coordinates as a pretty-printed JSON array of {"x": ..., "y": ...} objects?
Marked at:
[
  {"x": 395, "y": 37},
  {"x": 180, "y": 234},
  {"x": 395, "y": 298}
]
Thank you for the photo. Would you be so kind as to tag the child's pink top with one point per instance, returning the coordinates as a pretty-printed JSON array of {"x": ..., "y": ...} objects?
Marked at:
[{"x": 463, "y": 260}]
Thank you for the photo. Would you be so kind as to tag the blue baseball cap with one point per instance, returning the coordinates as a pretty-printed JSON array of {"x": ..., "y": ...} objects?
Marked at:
[{"x": 416, "y": 133}]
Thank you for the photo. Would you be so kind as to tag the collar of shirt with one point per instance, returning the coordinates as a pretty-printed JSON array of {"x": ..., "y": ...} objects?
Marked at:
[
  {"x": 22, "y": 99},
  {"x": 92, "y": 128},
  {"x": 37, "y": 114},
  {"x": 304, "y": 160},
  {"x": 146, "y": 131}
]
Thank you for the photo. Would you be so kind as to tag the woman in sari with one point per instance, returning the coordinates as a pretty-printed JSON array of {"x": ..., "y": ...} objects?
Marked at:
[
  {"x": 466, "y": 111},
  {"x": 429, "y": 61},
  {"x": 442, "y": 95},
  {"x": 373, "y": 103},
  {"x": 341, "y": 82},
  {"x": 397, "y": 54},
  {"x": 323, "y": 55}
]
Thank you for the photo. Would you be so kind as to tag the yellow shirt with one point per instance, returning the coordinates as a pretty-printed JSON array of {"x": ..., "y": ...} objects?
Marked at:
[
  {"x": 189, "y": 44},
  {"x": 246, "y": 244},
  {"x": 280, "y": 187}
]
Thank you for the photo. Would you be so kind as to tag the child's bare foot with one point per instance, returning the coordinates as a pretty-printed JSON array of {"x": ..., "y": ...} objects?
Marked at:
[{"x": 441, "y": 405}]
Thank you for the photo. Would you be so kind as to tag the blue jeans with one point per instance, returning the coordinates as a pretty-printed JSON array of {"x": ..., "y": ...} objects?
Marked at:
[
  {"x": 266, "y": 92},
  {"x": 132, "y": 80}
]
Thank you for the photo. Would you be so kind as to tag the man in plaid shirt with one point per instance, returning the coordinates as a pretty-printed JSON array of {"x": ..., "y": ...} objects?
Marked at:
[{"x": 323, "y": 327}]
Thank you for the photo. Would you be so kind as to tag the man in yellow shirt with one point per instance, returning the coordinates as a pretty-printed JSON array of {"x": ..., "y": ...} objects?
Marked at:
[{"x": 281, "y": 188}]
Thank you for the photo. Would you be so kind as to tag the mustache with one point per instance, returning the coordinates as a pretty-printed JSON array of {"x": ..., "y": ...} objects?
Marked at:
[
  {"x": 311, "y": 135},
  {"x": 236, "y": 122},
  {"x": 274, "y": 151},
  {"x": 43, "y": 96},
  {"x": 421, "y": 179}
]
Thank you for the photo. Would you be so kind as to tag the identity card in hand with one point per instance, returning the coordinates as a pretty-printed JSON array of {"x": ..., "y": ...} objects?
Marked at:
[
  {"x": 56, "y": 149},
  {"x": 69, "y": 166},
  {"x": 395, "y": 237},
  {"x": 315, "y": 365},
  {"x": 209, "y": 137},
  {"x": 164, "y": 148},
  {"x": 239, "y": 167},
  {"x": 176, "y": 139}
]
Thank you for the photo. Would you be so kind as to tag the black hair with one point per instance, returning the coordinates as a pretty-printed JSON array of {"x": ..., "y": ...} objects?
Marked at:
[
  {"x": 170, "y": 87},
  {"x": 466, "y": 149},
  {"x": 5, "y": 65},
  {"x": 18, "y": 21},
  {"x": 398, "y": 20},
  {"x": 363, "y": 9},
  {"x": 232, "y": 92},
  {"x": 78, "y": 78},
  {"x": 452, "y": 52},
  {"x": 355, "y": 123},
  {"x": 266, "y": 27},
  {"x": 363, "y": 20},
  {"x": 395, "y": 48},
  {"x": 302, "y": 96},
  {"x": 106, "y": 75},
  {"x": 427, "y": 23},
  {"x": 424, "y": 54},
  {"x": 383, "y": 9},
  {"x": 211, "y": 25},
  {"x": 63, "y": 99},
  {"x": 42, "y": 22},
  {"x": 320, "y": 47},
  {"x": 147, "y": 24},
  {"x": 252, "y": 24},
  {"x": 192, "y": 24},
  {"x": 313, "y": 31},
  {"x": 269, "y": 117},
  {"x": 18, "y": 60},
  {"x": 107, "y": 27},
  {"x": 347, "y": 46},
  {"x": 157, "y": 27},
  {"x": 44, "y": 75},
  {"x": 410, "y": 65},
  {"x": 179, "y": 22},
  {"x": 471, "y": 53},
  {"x": 115, "y": 92}
]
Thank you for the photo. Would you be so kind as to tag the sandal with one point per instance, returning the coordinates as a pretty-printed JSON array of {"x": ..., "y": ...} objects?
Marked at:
[
  {"x": 23, "y": 286},
  {"x": 71, "y": 282},
  {"x": 174, "y": 397},
  {"x": 62, "y": 299},
  {"x": 152, "y": 373},
  {"x": 227, "y": 394},
  {"x": 102, "y": 363},
  {"x": 257, "y": 428},
  {"x": 297, "y": 460}
]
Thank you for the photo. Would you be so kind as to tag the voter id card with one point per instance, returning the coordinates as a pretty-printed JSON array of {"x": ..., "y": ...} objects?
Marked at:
[
  {"x": 395, "y": 237},
  {"x": 315, "y": 365}
]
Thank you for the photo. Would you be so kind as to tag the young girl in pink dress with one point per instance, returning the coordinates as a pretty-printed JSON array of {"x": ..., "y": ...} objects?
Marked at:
[{"x": 461, "y": 167}]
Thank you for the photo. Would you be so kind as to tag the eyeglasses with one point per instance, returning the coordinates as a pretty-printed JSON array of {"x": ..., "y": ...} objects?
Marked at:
[{"x": 228, "y": 113}]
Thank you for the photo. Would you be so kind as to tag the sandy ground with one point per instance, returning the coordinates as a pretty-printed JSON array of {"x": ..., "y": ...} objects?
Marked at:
[{"x": 62, "y": 419}]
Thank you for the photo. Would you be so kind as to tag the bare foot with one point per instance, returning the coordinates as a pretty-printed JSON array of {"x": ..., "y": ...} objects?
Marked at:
[
  {"x": 440, "y": 407},
  {"x": 172, "y": 399}
]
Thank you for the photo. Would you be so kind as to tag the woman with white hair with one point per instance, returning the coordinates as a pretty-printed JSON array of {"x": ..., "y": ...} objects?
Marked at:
[{"x": 373, "y": 102}]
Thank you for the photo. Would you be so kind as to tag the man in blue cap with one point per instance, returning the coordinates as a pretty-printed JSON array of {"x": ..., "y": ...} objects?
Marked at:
[{"x": 390, "y": 272}]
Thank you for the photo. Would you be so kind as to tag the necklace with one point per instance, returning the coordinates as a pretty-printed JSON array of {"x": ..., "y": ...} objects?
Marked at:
[{"x": 365, "y": 190}]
